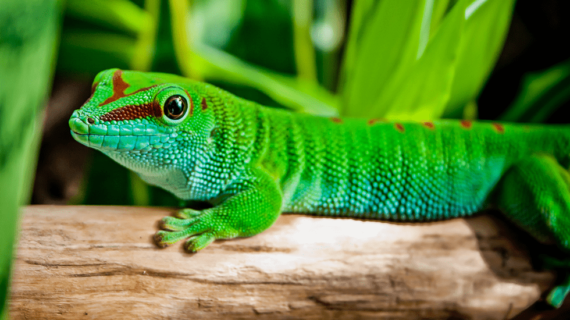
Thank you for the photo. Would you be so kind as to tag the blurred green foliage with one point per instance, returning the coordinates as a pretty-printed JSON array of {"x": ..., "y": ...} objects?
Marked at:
[
  {"x": 414, "y": 60},
  {"x": 420, "y": 59},
  {"x": 542, "y": 93},
  {"x": 28, "y": 35}
]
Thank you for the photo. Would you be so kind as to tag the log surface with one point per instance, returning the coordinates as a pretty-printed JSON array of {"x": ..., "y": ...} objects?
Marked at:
[{"x": 87, "y": 262}]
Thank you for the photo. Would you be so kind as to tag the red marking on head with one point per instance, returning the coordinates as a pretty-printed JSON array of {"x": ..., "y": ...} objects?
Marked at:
[
  {"x": 499, "y": 127},
  {"x": 371, "y": 122},
  {"x": 133, "y": 112},
  {"x": 466, "y": 124},
  {"x": 399, "y": 127},
  {"x": 203, "y": 104},
  {"x": 119, "y": 87},
  {"x": 428, "y": 125},
  {"x": 94, "y": 86},
  {"x": 336, "y": 120}
]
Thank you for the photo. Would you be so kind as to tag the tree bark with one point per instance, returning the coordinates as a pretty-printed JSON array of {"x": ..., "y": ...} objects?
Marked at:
[{"x": 81, "y": 262}]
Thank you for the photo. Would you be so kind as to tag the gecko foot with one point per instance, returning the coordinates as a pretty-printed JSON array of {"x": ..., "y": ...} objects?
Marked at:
[
  {"x": 187, "y": 224},
  {"x": 557, "y": 295},
  {"x": 200, "y": 228}
]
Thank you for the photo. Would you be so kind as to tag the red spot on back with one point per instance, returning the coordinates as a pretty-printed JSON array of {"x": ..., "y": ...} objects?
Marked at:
[
  {"x": 373, "y": 121},
  {"x": 428, "y": 125},
  {"x": 203, "y": 104},
  {"x": 466, "y": 124},
  {"x": 499, "y": 127},
  {"x": 399, "y": 127},
  {"x": 336, "y": 120},
  {"x": 119, "y": 87}
]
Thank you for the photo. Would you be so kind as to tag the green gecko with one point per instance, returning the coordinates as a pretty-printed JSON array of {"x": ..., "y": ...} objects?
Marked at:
[{"x": 251, "y": 162}]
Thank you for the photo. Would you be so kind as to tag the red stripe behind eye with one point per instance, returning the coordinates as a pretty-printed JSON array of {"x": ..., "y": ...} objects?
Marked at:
[{"x": 133, "y": 112}]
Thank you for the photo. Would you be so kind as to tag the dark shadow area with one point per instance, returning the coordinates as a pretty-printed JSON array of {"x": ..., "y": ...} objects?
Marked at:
[
  {"x": 506, "y": 250},
  {"x": 62, "y": 162},
  {"x": 536, "y": 41}
]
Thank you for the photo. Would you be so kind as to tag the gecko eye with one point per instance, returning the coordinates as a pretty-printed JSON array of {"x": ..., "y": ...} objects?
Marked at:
[{"x": 175, "y": 107}]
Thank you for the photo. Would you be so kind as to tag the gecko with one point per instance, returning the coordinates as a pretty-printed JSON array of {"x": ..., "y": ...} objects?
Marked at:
[{"x": 252, "y": 162}]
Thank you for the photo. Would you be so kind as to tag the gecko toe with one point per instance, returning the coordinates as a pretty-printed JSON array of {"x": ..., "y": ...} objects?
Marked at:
[
  {"x": 158, "y": 240},
  {"x": 202, "y": 228},
  {"x": 558, "y": 294},
  {"x": 175, "y": 224},
  {"x": 187, "y": 213},
  {"x": 199, "y": 242},
  {"x": 166, "y": 238}
]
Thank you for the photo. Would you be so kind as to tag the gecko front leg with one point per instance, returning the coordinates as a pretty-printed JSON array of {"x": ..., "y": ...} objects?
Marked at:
[{"x": 251, "y": 205}]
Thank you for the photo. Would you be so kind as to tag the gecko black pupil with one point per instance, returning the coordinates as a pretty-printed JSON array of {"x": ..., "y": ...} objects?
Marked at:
[{"x": 175, "y": 107}]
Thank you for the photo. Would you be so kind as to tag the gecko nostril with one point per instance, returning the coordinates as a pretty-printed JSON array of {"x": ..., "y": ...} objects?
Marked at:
[{"x": 90, "y": 120}]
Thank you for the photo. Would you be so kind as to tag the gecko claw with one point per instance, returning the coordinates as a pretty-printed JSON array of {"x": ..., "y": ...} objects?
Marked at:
[
  {"x": 187, "y": 213},
  {"x": 199, "y": 242},
  {"x": 175, "y": 224},
  {"x": 158, "y": 240}
]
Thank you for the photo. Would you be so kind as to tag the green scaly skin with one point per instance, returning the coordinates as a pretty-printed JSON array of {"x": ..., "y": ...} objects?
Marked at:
[{"x": 253, "y": 162}]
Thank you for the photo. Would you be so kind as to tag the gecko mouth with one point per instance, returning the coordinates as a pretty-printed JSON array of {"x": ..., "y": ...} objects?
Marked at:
[{"x": 126, "y": 137}]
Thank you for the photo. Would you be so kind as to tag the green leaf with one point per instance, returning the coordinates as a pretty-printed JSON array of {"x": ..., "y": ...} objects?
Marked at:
[
  {"x": 426, "y": 24},
  {"x": 140, "y": 191},
  {"x": 28, "y": 43},
  {"x": 304, "y": 51},
  {"x": 423, "y": 90},
  {"x": 438, "y": 13},
  {"x": 146, "y": 40},
  {"x": 302, "y": 96},
  {"x": 386, "y": 39},
  {"x": 541, "y": 93},
  {"x": 384, "y": 42},
  {"x": 101, "y": 50},
  {"x": 179, "y": 12},
  {"x": 122, "y": 15},
  {"x": 362, "y": 12},
  {"x": 486, "y": 26}
]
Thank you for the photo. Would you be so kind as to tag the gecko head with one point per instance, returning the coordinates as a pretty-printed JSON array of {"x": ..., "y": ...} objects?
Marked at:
[{"x": 146, "y": 121}]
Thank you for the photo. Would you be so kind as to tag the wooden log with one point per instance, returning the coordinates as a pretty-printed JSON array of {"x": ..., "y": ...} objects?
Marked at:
[{"x": 83, "y": 262}]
